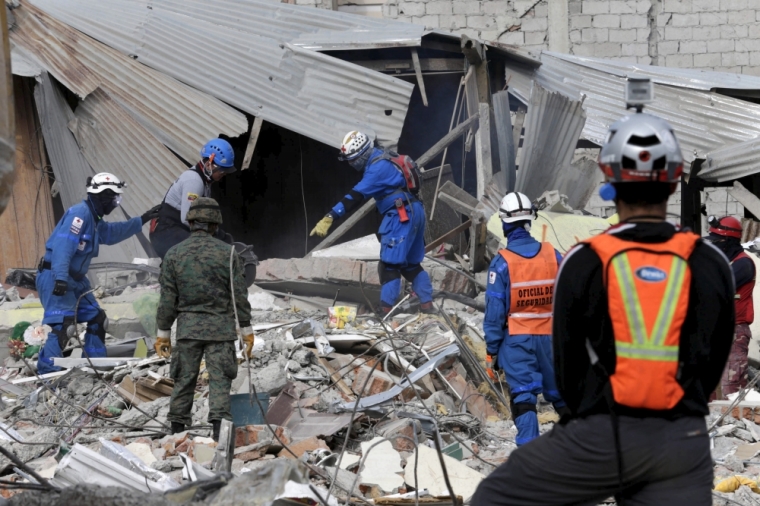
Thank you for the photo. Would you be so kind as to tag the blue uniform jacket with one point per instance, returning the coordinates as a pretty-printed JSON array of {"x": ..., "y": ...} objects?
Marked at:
[
  {"x": 381, "y": 178},
  {"x": 498, "y": 289},
  {"x": 76, "y": 240}
]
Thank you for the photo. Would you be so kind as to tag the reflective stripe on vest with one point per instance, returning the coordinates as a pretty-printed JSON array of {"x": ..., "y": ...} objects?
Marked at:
[
  {"x": 531, "y": 291},
  {"x": 645, "y": 346},
  {"x": 647, "y": 287}
]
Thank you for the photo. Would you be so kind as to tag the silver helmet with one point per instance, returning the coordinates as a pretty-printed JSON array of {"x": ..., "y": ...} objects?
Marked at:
[{"x": 641, "y": 148}]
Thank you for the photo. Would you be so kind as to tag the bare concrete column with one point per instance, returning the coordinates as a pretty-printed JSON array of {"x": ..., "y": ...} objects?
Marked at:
[{"x": 559, "y": 38}]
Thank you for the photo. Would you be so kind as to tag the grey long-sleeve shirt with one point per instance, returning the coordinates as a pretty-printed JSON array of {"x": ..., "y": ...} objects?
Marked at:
[{"x": 188, "y": 187}]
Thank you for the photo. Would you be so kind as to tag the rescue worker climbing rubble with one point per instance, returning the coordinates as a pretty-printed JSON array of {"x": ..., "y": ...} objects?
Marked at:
[
  {"x": 171, "y": 226},
  {"x": 389, "y": 179},
  {"x": 726, "y": 233},
  {"x": 643, "y": 322},
  {"x": 61, "y": 278},
  {"x": 195, "y": 291},
  {"x": 518, "y": 321}
]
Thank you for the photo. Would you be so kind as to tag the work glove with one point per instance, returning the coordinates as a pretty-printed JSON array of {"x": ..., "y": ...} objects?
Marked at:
[
  {"x": 494, "y": 362},
  {"x": 150, "y": 214},
  {"x": 60, "y": 288},
  {"x": 323, "y": 226},
  {"x": 247, "y": 333},
  {"x": 163, "y": 347}
]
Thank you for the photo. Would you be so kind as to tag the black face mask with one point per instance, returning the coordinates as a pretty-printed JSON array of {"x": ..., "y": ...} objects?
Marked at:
[
  {"x": 105, "y": 202},
  {"x": 728, "y": 245}
]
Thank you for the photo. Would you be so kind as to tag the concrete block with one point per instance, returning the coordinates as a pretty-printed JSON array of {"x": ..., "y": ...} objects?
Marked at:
[
  {"x": 535, "y": 38},
  {"x": 705, "y": 33},
  {"x": 411, "y": 8},
  {"x": 633, "y": 21},
  {"x": 751, "y": 70},
  {"x": 685, "y": 20},
  {"x": 622, "y": 35},
  {"x": 583, "y": 50},
  {"x": 667, "y": 48},
  {"x": 733, "y": 5},
  {"x": 754, "y": 58},
  {"x": 645, "y": 60},
  {"x": 439, "y": 7},
  {"x": 390, "y": 11},
  {"x": 693, "y": 46},
  {"x": 595, "y": 7},
  {"x": 720, "y": 46},
  {"x": 754, "y": 31},
  {"x": 676, "y": 6},
  {"x": 643, "y": 6},
  {"x": 744, "y": 17},
  {"x": 505, "y": 22},
  {"x": 753, "y": 4},
  {"x": 679, "y": 60},
  {"x": 535, "y": 25},
  {"x": 541, "y": 10},
  {"x": 707, "y": 60},
  {"x": 574, "y": 7},
  {"x": 494, "y": 8},
  {"x": 606, "y": 21},
  {"x": 678, "y": 33},
  {"x": 516, "y": 38},
  {"x": 704, "y": 6},
  {"x": 607, "y": 49},
  {"x": 642, "y": 34},
  {"x": 490, "y": 35},
  {"x": 713, "y": 18},
  {"x": 577, "y": 22},
  {"x": 639, "y": 49},
  {"x": 733, "y": 59},
  {"x": 481, "y": 22},
  {"x": 664, "y": 19},
  {"x": 734, "y": 31},
  {"x": 430, "y": 21},
  {"x": 622, "y": 7},
  {"x": 745, "y": 45},
  {"x": 595, "y": 35},
  {"x": 575, "y": 36},
  {"x": 465, "y": 7}
]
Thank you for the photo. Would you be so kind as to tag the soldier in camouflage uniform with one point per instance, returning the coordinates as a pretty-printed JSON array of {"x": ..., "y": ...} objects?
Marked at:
[{"x": 195, "y": 290}]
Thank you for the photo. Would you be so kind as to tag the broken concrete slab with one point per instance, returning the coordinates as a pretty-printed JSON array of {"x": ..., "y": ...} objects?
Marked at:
[
  {"x": 382, "y": 465},
  {"x": 463, "y": 480}
]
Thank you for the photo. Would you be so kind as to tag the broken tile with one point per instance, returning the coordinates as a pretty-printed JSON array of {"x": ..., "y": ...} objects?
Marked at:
[{"x": 382, "y": 465}]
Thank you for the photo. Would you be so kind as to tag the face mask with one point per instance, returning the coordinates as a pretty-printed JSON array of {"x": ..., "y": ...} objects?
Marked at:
[{"x": 109, "y": 204}]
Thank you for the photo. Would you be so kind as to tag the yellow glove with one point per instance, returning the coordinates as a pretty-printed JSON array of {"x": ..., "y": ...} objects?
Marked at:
[
  {"x": 247, "y": 333},
  {"x": 163, "y": 344},
  {"x": 323, "y": 226}
]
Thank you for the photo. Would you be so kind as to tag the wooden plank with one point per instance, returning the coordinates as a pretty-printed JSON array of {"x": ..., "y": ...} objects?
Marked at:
[
  {"x": 252, "y": 140},
  {"x": 456, "y": 204},
  {"x": 7, "y": 115},
  {"x": 504, "y": 136},
  {"x": 745, "y": 198},
  {"x": 483, "y": 160},
  {"x": 418, "y": 72},
  {"x": 345, "y": 226},
  {"x": 337, "y": 379},
  {"x": 446, "y": 140},
  {"x": 448, "y": 235},
  {"x": 478, "y": 236}
]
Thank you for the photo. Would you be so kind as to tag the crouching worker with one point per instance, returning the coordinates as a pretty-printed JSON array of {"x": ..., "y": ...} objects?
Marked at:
[
  {"x": 195, "y": 290},
  {"x": 62, "y": 283}
]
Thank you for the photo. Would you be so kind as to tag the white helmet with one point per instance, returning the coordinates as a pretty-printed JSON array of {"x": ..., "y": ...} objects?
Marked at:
[
  {"x": 516, "y": 206},
  {"x": 354, "y": 145},
  {"x": 105, "y": 181}
]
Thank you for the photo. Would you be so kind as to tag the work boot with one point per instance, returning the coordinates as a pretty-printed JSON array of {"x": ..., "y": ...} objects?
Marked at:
[
  {"x": 217, "y": 425},
  {"x": 428, "y": 308},
  {"x": 178, "y": 427}
]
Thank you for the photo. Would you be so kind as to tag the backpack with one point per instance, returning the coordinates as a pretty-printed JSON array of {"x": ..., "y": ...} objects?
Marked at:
[{"x": 408, "y": 169}]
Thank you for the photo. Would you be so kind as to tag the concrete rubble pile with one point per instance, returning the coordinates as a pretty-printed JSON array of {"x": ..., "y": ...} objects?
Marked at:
[{"x": 333, "y": 415}]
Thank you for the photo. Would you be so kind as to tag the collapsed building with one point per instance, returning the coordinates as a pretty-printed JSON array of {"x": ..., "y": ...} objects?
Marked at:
[{"x": 393, "y": 411}]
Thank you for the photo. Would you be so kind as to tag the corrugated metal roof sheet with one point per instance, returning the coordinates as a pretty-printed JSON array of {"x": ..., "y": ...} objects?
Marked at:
[
  {"x": 113, "y": 141},
  {"x": 732, "y": 162},
  {"x": 70, "y": 167},
  {"x": 307, "y": 92},
  {"x": 553, "y": 126},
  {"x": 697, "y": 79},
  {"x": 178, "y": 115},
  {"x": 704, "y": 121},
  {"x": 22, "y": 64}
]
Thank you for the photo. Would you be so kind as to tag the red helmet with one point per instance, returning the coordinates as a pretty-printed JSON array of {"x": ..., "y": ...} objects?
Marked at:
[{"x": 728, "y": 226}]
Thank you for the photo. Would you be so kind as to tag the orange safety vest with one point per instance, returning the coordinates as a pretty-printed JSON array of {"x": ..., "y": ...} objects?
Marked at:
[
  {"x": 647, "y": 288},
  {"x": 531, "y": 291}
]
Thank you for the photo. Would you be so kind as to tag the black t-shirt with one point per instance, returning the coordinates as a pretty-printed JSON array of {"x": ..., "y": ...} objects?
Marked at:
[{"x": 581, "y": 314}]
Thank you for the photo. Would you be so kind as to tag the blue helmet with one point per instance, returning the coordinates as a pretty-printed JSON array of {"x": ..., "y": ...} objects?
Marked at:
[{"x": 224, "y": 156}]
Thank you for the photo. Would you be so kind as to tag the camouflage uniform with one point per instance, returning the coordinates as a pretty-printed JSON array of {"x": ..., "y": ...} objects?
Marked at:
[{"x": 195, "y": 290}]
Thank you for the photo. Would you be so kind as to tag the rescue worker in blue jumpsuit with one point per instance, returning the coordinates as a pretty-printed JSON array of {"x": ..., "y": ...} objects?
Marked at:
[
  {"x": 402, "y": 231},
  {"x": 61, "y": 279},
  {"x": 525, "y": 358}
]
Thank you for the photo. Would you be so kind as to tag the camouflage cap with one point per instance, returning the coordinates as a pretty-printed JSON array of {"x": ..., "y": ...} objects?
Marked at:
[{"x": 204, "y": 210}]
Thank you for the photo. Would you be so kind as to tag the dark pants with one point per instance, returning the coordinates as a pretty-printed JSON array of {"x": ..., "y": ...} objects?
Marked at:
[
  {"x": 664, "y": 462},
  {"x": 221, "y": 365},
  {"x": 164, "y": 238},
  {"x": 735, "y": 374}
]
